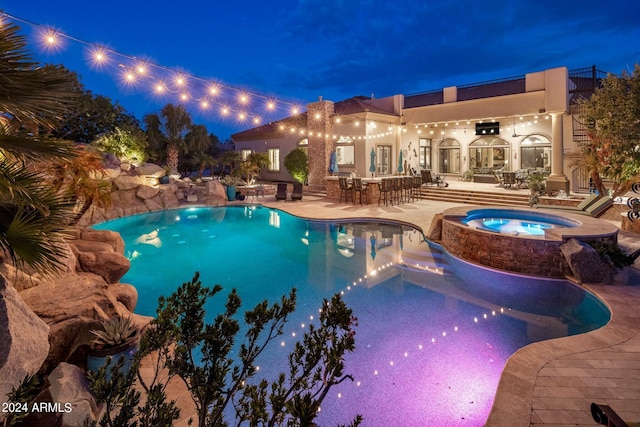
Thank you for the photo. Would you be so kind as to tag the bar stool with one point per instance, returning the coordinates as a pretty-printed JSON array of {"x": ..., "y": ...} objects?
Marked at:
[
  {"x": 385, "y": 190},
  {"x": 359, "y": 187},
  {"x": 397, "y": 189},
  {"x": 346, "y": 189}
]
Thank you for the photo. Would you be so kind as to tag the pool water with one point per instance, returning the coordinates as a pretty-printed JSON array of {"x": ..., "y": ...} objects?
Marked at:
[
  {"x": 434, "y": 333},
  {"x": 515, "y": 222}
]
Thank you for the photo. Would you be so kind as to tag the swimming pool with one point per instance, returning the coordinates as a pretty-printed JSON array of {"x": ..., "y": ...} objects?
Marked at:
[{"x": 434, "y": 333}]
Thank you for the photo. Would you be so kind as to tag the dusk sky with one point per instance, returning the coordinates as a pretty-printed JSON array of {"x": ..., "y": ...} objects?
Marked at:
[{"x": 297, "y": 50}]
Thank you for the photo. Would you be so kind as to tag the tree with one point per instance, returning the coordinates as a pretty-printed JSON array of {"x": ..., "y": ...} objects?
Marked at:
[
  {"x": 229, "y": 158},
  {"x": 92, "y": 116},
  {"x": 613, "y": 117},
  {"x": 168, "y": 131},
  {"x": 197, "y": 140},
  {"x": 252, "y": 165},
  {"x": 80, "y": 179},
  {"x": 32, "y": 98},
  {"x": 297, "y": 163},
  {"x": 128, "y": 145},
  {"x": 202, "y": 356}
]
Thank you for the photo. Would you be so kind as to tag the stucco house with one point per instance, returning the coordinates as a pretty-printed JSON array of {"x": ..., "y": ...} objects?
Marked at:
[{"x": 525, "y": 122}]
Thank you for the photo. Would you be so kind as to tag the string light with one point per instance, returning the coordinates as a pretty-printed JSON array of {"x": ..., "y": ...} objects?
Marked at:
[{"x": 229, "y": 99}]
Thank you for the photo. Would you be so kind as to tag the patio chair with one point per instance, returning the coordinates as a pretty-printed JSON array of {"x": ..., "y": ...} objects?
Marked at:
[
  {"x": 508, "y": 178},
  {"x": 427, "y": 178},
  {"x": 359, "y": 187},
  {"x": 281, "y": 192},
  {"x": 606, "y": 416},
  {"x": 345, "y": 189},
  {"x": 499, "y": 177},
  {"x": 296, "y": 194},
  {"x": 580, "y": 207},
  {"x": 598, "y": 207}
]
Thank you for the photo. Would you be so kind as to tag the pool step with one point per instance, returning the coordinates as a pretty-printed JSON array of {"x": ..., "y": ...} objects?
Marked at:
[{"x": 493, "y": 198}]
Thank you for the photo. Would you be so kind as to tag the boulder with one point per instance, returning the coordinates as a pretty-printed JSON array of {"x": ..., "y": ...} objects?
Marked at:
[
  {"x": 24, "y": 338},
  {"x": 169, "y": 199},
  {"x": 125, "y": 166},
  {"x": 585, "y": 263},
  {"x": 128, "y": 182},
  {"x": 214, "y": 188},
  {"x": 150, "y": 169},
  {"x": 154, "y": 204},
  {"x": 435, "y": 229},
  {"x": 145, "y": 192},
  {"x": 107, "y": 236},
  {"x": 108, "y": 264},
  {"x": 72, "y": 306},
  {"x": 69, "y": 386}
]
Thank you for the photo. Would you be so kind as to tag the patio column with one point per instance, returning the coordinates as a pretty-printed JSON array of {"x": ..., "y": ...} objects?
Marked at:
[
  {"x": 557, "y": 180},
  {"x": 320, "y": 129}
]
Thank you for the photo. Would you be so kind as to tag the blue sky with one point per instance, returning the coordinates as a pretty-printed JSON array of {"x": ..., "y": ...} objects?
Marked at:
[{"x": 297, "y": 50}]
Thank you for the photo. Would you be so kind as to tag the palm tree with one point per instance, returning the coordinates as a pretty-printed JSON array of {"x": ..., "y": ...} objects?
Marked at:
[
  {"x": 229, "y": 158},
  {"x": 32, "y": 100},
  {"x": 168, "y": 130},
  {"x": 80, "y": 179},
  {"x": 197, "y": 140},
  {"x": 253, "y": 164}
]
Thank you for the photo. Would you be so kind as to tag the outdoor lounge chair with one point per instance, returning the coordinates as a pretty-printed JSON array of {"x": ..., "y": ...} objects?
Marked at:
[
  {"x": 281, "y": 193},
  {"x": 597, "y": 208},
  {"x": 580, "y": 207},
  {"x": 296, "y": 194},
  {"x": 606, "y": 416}
]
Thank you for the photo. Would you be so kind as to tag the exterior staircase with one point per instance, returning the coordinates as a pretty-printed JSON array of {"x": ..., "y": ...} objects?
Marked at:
[{"x": 497, "y": 198}]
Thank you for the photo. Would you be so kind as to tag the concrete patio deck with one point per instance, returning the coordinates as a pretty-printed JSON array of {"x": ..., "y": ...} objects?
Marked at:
[{"x": 551, "y": 383}]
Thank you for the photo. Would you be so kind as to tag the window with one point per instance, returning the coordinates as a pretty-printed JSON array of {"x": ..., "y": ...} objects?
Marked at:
[
  {"x": 489, "y": 153},
  {"x": 425, "y": 153},
  {"x": 449, "y": 156},
  {"x": 274, "y": 159},
  {"x": 383, "y": 159},
  {"x": 345, "y": 152},
  {"x": 535, "y": 153},
  {"x": 304, "y": 146},
  {"x": 244, "y": 154}
]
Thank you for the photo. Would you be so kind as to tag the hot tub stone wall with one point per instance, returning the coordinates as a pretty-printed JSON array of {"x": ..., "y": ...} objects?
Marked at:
[
  {"x": 504, "y": 252},
  {"x": 519, "y": 254}
]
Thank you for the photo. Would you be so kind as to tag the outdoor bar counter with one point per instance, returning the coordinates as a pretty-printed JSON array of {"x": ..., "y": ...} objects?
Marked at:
[{"x": 373, "y": 188}]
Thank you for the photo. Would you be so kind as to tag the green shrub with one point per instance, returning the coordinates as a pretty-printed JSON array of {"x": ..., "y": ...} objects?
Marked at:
[{"x": 297, "y": 163}]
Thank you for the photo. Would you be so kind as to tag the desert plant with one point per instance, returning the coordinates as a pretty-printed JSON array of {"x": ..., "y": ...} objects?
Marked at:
[
  {"x": 613, "y": 254},
  {"x": 115, "y": 331},
  {"x": 537, "y": 187}
]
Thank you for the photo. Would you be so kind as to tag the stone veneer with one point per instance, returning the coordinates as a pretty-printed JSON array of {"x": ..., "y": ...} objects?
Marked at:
[
  {"x": 320, "y": 144},
  {"x": 518, "y": 254}
]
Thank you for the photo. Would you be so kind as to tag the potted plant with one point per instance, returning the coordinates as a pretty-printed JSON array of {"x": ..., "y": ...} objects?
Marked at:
[
  {"x": 117, "y": 338},
  {"x": 231, "y": 182}
]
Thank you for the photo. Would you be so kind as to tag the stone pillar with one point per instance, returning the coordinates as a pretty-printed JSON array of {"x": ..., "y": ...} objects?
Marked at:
[
  {"x": 557, "y": 180},
  {"x": 320, "y": 127}
]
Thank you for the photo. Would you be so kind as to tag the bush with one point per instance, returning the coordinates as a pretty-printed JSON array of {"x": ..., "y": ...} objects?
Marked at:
[{"x": 297, "y": 163}]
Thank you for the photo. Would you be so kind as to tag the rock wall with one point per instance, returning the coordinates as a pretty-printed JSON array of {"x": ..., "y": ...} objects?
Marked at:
[
  {"x": 67, "y": 305},
  {"x": 138, "y": 190}
]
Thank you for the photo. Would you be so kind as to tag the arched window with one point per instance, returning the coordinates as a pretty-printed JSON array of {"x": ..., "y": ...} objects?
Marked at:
[
  {"x": 535, "y": 153},
  {"x": 449, "y": 154},
  {"x": 489, "y": 153}
]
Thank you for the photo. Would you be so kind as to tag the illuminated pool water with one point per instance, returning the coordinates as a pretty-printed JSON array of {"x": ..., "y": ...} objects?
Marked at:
[
  {"x": 515, "y": 221},
  {"x": 434, "y": 333}
]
